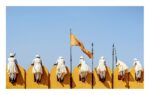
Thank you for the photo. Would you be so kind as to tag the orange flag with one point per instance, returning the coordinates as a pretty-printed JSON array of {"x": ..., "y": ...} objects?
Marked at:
[{"x": 75, "y": 42}]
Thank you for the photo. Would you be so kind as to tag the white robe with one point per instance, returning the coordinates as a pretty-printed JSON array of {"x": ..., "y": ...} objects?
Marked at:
[
  {"x": 122, "y": 66},
  {"x": 37, "y": 68},
  {"x": 138, "y": 66},
  {"x": 101, "y": 66},
  {"x": 84, "y": 67},
  {"x": 12, "y": 65},
  {"x": 61, "y": 68}
]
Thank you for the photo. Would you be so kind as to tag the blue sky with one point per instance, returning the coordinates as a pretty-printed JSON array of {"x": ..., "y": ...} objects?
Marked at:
[{"x": 45, "y": 30}]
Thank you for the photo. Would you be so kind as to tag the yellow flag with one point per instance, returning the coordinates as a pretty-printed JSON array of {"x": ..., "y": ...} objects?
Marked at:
[{"x": 75, "y": 42}]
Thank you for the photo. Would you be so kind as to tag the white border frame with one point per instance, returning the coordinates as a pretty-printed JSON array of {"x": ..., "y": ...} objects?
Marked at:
[{"x": 4, "y": 3}]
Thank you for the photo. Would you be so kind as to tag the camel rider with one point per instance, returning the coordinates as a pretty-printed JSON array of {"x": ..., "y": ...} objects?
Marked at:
[
  {"x": 138, "y": 69},
  {"x": 101, "y": 69},
  {"x": 12, "y": 68},
  {"x": 122, "y": 69},
  {"x": 37, "y": 68},
  {"x": 60, "y": 69},
  {"x": 84, "y": 69}
]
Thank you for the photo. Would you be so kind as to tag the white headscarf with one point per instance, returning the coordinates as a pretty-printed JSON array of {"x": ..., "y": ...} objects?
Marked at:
[{"x": 137, "y": 64}]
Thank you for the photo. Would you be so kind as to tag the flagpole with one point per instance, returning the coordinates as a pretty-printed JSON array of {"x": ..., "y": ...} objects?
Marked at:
[
  {"x": 92, "y": 64},
  {"x": 113, "y": 47},
  {"x": 70, "y": 64}
]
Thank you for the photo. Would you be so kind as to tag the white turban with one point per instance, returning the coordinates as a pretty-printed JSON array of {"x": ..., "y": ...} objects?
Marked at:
[
  {"x": 12, "y": 54},
  {"x": 37, "y": 56}
]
